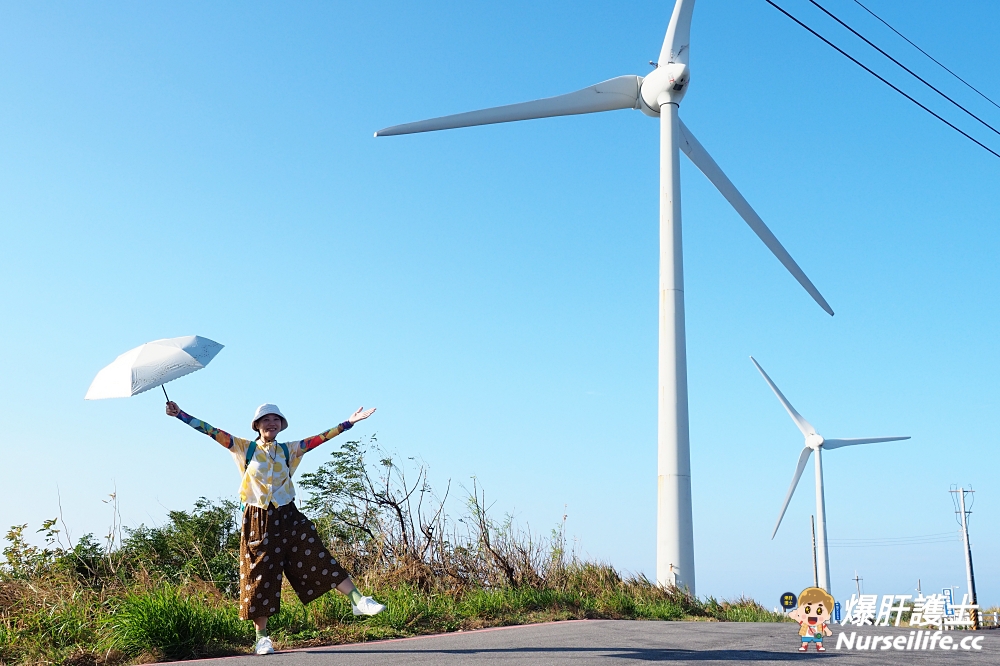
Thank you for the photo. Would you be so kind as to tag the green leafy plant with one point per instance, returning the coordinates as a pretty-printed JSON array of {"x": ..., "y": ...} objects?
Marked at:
[
  {"x": 202, "y": 544},
  {"x": 24, "y": 561}
]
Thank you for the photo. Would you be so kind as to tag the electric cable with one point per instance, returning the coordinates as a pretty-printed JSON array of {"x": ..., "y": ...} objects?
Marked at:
[
  {"x": 903, "y": 538},
  {"x": 901, "y": 65},
  {"x": 889, "y": 545},
  {"x": 883, "y": 80},
  {"x": 936, "y": 61},
  {"x": 940, "y": 537},
  {"x": 834, "y": 543},
  {"x": 954, "y": 502}
]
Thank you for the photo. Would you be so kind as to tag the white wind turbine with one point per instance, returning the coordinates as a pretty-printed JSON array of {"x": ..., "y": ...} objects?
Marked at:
[
  {"x": 657, "y": 95},
  {"x": 814, "y": 442}
]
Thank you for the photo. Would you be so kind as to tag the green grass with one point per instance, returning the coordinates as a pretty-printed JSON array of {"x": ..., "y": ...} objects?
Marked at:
[
  {"x": 745, "y": 610},
  {"x": 410, "y": 611},
  {"x": 169, "y": 592},
  {"x": 166, "y": 624},
  {"x": 68, "y": 623}
]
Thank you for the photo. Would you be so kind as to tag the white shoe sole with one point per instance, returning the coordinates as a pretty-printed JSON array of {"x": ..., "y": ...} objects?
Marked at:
[{"x": 358, "y": 612}]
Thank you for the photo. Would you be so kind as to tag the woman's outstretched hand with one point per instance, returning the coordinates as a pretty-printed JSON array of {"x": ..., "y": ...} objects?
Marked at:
[
  {"x": 174, "y": 410},
  {"x": 360, "y": 415}
]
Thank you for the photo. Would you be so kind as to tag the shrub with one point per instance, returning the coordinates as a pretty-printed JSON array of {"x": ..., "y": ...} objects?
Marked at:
[{"x": 202, "y": 544}]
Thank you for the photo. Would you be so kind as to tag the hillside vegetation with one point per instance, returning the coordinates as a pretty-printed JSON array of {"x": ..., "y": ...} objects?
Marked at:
[{"x": 144, "y": 594}]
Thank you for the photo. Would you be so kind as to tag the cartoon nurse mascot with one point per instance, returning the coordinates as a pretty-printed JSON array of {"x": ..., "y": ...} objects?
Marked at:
[{"x": 813, "y": 614}]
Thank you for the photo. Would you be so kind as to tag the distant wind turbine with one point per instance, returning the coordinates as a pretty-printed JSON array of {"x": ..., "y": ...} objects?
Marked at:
[
  {"x": 814, "y": 442},
  {"x": 658, "y": 95}
]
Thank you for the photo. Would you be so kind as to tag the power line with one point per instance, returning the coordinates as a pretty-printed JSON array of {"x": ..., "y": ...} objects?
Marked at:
[
  {"x": 918, "y": 536},
  {"x": 883, "y": 80},
  {"x": 904, "y": 67},
  {"x": 940, "y": 537},
  {"x": 889, "y": 545},
  {"x": 835, "y": 544},
  {"x": 940, "y": 64}
]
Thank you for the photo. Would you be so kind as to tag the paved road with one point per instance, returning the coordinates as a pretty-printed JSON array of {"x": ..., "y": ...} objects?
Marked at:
[{"x": 587, "y": 642}]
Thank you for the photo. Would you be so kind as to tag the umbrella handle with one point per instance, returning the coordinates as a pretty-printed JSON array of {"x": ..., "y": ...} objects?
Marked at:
[{"x": 165, "y": 392}]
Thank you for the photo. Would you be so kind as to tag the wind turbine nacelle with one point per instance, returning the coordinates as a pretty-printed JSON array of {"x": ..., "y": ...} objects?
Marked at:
[
  {"x": 814, "y": 441},
  {"x": 664, "y": 85}
]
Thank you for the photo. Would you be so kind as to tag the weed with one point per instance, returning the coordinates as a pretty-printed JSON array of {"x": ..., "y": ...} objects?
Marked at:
[{"x": 165, "y": 622}]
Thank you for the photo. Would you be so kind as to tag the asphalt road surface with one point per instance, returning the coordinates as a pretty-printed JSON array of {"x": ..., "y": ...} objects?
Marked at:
[{"x": 582, "y": 643}]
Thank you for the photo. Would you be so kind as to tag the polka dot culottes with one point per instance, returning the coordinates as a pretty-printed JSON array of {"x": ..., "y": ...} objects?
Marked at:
[{"x": 276, "y": 541}]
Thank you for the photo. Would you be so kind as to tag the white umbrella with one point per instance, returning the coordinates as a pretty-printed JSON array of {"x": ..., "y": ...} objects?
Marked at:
[{"x": 152, "y": 364}]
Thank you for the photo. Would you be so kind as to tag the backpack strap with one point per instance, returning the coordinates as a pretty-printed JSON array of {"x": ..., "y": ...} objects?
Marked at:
[
  {"x": 253, "y": 448},
  {"x": 250, "y": 451}
]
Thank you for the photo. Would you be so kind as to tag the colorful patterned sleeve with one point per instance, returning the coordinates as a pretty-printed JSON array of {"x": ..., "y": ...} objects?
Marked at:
[
  {"x": 221, "y": 436},
  {"x": 311, "y": 443}
]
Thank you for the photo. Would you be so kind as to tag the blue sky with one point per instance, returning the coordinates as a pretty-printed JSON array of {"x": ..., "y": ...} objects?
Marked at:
[{"x": 190, "y": 168}]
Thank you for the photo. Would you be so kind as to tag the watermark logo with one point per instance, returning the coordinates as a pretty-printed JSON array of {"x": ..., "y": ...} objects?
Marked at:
[
  {"x": 813, "y": 608},
  {"x": 917, "y": 640},
  {"x": 935, "y": 610}
]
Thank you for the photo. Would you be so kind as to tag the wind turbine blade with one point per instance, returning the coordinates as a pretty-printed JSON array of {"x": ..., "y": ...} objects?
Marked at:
[
  {"x": 697, "y": 153},
  {"x": 804, "y": 426},
  {"x": 618, "y": 93},
  {"x": 677, "y": 41},
  {"x": 803, "y": 459},
  {"x": 837, "y": 443}
]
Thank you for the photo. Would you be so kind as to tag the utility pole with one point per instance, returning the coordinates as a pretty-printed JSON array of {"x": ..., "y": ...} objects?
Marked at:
[
  {"x": 812, "y": 523},
  {"x": 857, "y": 581},
  {"x": 969, "y": 574}
]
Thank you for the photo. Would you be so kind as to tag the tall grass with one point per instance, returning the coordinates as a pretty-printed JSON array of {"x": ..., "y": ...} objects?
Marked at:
[
  {"x": 166, "y": 623},
  {"x": 742, "y": 609},
  {"x": 169, "y": 592}
]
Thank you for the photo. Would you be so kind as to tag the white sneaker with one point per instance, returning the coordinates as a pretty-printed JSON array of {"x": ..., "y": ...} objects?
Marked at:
[
  {"x": 264, "y": 646},
  {"x": 367, "y": 606}
]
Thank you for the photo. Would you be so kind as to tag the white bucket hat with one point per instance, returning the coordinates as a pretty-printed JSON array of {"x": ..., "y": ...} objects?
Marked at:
[{"x": 264, "y": 410}]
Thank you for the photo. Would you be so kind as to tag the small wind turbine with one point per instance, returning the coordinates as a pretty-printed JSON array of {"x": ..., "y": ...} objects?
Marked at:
[
  {"x": 658, "y": 95},
  {"x": 814, "y": 442}
]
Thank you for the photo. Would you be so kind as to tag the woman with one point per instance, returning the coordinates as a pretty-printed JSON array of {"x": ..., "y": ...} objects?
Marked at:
[{"x": 276, "y": 538}]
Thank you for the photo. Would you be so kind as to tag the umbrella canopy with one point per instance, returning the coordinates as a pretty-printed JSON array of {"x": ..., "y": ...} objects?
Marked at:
[{"x": 152, "y": 364}]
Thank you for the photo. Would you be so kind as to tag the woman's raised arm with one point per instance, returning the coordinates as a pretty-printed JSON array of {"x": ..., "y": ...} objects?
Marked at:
[
  {"x": 311, "y": 443},
  {"x": 221, "y": 436}
]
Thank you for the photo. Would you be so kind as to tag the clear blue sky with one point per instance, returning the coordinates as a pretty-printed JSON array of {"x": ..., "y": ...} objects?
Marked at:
[{"x": 189, "y": 168}]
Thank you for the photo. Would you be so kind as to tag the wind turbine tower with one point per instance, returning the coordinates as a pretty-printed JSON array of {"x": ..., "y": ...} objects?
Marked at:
[
  {"x": 657, "y": 95},
  {"x": 814, "y": 442}
]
